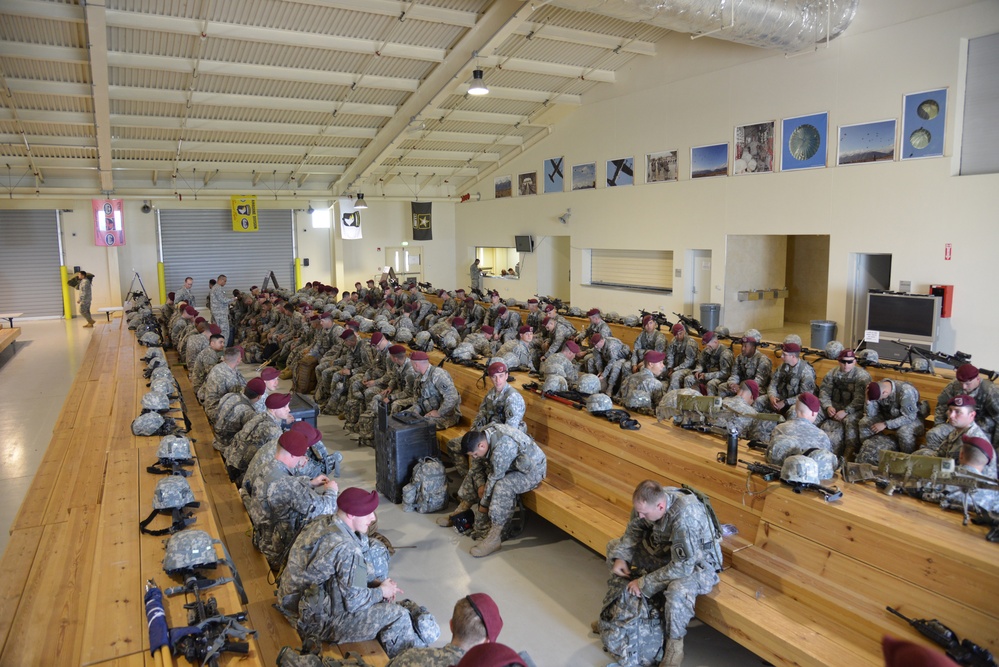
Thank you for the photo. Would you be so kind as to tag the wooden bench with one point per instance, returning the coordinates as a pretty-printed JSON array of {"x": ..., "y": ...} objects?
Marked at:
[
  {"x": 111, "y": 309},
  {"x": 10, "y": 318},
  {"x": 806, "y": 582},
  {"x": 7, "y": 338}
]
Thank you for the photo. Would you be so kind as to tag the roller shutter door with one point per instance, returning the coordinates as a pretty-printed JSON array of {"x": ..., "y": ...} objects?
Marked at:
[
  {"x": 29, "y": 263},
  {"x": 201, "y": 244}
]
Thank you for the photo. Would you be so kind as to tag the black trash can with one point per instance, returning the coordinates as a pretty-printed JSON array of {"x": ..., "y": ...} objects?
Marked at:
[
  {"x": 823, "y": 332},
  {"x": 710, "y": 313}
]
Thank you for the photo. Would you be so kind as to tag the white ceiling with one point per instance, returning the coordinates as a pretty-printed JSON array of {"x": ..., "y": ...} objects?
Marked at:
[{"x": 307, "y": 98}]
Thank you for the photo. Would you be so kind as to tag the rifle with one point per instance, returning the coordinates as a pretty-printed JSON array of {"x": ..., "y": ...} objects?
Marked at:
[
  {"x": 555, "y": 396},
  {"x": 658, "y": 317},
  {"x": 691, "y": 323},
  {"x": 991, "y": 519},
  {"x": 426, "y": 288},
  {"x": 963, "y": 652},
  {"x": 767, "y": 472},
  {"x": 953, "y": 360},
  {"x": 330, "y": 462},
  {"x": 560, "y": 307},
  {"x": 209, "y": 633},
  {"x": 829, "y": 493}
]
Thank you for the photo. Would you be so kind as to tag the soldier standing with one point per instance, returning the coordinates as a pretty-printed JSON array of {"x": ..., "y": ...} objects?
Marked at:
[
  {"x": 186, "y": 293},
  {"x": 669, "y": 554},
  {"x": 475, "y": 274},
  {"x": 220, "y": 306},
  {"x": 842, "y": 398},
  {"x": 86, "y": 289}
]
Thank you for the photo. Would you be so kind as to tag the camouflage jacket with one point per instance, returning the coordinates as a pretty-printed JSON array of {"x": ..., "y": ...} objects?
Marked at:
[
  {"x": 258, "y": 431},
  {"x": 795, "y": 436},
  {"x": 435, "y": 390},
  {"x": 647, "y": 341},
  {"x": 207, "y": 360},
  {"x": 233, "y": 411},
  {"x": 716, "y": 364},
  {"x": 511, "y": 450},
  {"x": 897, "y": 409},
  {"x": 505, "y": 407},
  {"x": 986, "y": 404},
  {"x": 681, "y": 354},
  {"x": 789, "y": 381},
  {"x": 557, "y": 364},
  {"x": 446, "y": 656},
  {"x": 757, "y": 367},
  {"x": 845, "y": 390},
  {"x": 220, "y": 381}
]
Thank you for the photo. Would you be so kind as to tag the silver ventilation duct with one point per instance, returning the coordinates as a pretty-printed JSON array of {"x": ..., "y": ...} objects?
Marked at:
[{"x": 788, "y": 25}]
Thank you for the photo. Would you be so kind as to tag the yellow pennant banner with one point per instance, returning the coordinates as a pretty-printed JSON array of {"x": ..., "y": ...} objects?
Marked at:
[{"x": 244, "y": 213}]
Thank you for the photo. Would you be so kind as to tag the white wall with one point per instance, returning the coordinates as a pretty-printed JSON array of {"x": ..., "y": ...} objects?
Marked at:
[{"x": 695, "y": 93}]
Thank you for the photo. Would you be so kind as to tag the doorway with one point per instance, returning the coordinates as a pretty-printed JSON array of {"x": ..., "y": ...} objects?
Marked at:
[
  {"x": 406, "y": 261},
  {"x": 552, "y": 263},
  {"x": 698, "y": 284},
  {"x": 869, "y": 271}
]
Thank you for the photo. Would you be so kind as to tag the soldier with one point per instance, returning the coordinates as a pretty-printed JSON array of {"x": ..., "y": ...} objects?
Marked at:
[
  {"x": 194, "y": 344},
  {"x": 493, "y": 311},
  {"x": 222, "y": 379},
  {"x": 799, "y": 434},
  {"x": 650, "y": 339},
  {"x": 596, "y": 326},
  {"x": 280, "y": 500},
  {"x": 793, "y": 377},
  {"x": 962, "y": 420},
  {"x": 476, "y": 620},
  {"x": 206, "y": 360},
  {"x": 234, "y": 410},
  {"x": 842, "y": 398},
  {"x": 559, "y": 369},
  {"x": 642, "y": 391},
  {"x": 474, "y": 314},
  {"x": 892, "y": 405},
  {"x": 434, "y": 395},
  {"x": 714, "y": 365},
  {"x": 681, "y": 354},
  {"x": 492, "y": 654},
  {"x": 558, "y": 331},
  {"x": 739, "y": 412},
  {"x": 448, "y": 305},
  {"x": 603, "y": 359},
  {"x": 167, "y": 309},
  {"x": 512, "y": 464},
  {"x": 475, "y": 274},
  {"x": 751, "y": 364},
  {"x": 186, "y": 293},
  {"x": 186, "y": 318},
  {"x": 968, "y": 382},
  {"x": 365, "y": 386},
  {"x": 518, "y": 353},
  {"x": 271, "y": 377},
  {"x": 335, "y": 587},
  {"x": 507, "y": 324},
  {"x": 669, "y": 554},
  {"x": 534, "y": 314},
  {"x": 258, "y": 431},
  {"x": 85, "y": 285},
  {"x": 220, "y": 306}
]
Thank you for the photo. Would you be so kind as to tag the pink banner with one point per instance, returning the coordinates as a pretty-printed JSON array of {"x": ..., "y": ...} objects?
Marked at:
[{"x": 108, "y": 223}]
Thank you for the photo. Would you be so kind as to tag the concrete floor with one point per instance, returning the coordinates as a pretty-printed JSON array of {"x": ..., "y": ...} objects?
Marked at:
[{"x": 548, "y": 586}]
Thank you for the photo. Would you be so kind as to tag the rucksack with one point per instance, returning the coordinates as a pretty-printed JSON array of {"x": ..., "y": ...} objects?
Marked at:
[
  {"x": 631, "y": 627},
  {"x": 427, "y": 489},
  {"x": 289, "y": 657}
]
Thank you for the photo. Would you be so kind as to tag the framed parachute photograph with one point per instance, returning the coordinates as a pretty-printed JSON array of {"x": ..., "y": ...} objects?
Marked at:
[
  {"x": 804, "y": 142},
  {"x": 923, "y": 119}
]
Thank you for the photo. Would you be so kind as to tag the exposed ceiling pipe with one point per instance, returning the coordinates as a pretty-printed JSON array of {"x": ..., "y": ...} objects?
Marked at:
[{"x": 788, "y": 25}]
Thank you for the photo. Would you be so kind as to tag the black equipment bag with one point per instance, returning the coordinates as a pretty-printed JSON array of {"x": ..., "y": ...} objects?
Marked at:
[
  {"x": 303, "y": 408},
  {"x": 407, "y": 438}
]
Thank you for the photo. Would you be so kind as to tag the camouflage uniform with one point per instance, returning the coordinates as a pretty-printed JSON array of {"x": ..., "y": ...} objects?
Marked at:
[
  {"x": 950, "y": 446},
  {"x": 534, "y": 319},
  {"x": 676, "y": 559},
  {"x": 220, "y": 381},
  {"x": 516, "y": 353},
  {"x": 844, "y": 390},
  {"x": 557, "y": 364},
  {"x": 206, "y": 361},
  {"x": 786, "y": 384},
  {"x": 86, "y": 288},
  {"x": 475, "y": 316},
  {"x": 757, "y": 367},
  {"x": 505, "y": 407},
  {"x": 598, "y": 327},
  {"x": 193, "y": 346},
  {"x": 716, "y": 365},
  {"x": 603, "y": 362},
  {"x": 986, "y": 411},
  {"x": 318, "y": 461},
  {"x": 556, "y": 338},
  {"x": 279, "y": 502},
  {"x": 739, "y": 414},
  {"x": 234, "y": 410},
  {"x": 796, "y": 436},
  {"x": 641, "y": 392},
  {"x": 507, "y": 325},
  {"x": 257, "y": 432},
  {"x": 220, "y": 309},
  {"x": 328, "y": 589},
  {"x": 899, "y": 412},
  {"x": 646, "y": 341},
  {"x": 446, "y": 656},
  {"x": 514, "y": 465},
  {"x": 435, "y": 390},
  {"x": 680, "y": 355}
]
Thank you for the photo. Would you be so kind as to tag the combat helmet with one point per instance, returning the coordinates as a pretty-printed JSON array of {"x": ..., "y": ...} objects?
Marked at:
[
  {"x": 423, "y": 342},
  {"x": 630, "y": 320},
  {"x": 173, "y": 453},
  {"x": 172, "y": 495},
  {"x": 827, "y": 461},
  {"x": 161, "y": 372},
  {"x": 554, "y": 383},
  {"x": 868, "y": 356},
  {"x": 150, "y": 338},
  {"x": 588, "y": 384},
  {"x": 833, "y": 348},
  {"x": 155, "y": 401},
  {"x": 164, "y": 385},
  {"x": 753, "y": 334},
  {"x": 599, "y": 403},
  {"x": 800, "y": 469},
  {"x": 190, "y": 550}
]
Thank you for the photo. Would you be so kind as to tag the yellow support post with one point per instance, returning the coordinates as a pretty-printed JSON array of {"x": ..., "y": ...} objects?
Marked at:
[
  {"x": 161, "y": 275},
  {"x": 298, "y": 274},
  {"x": 67, "y": 301}
]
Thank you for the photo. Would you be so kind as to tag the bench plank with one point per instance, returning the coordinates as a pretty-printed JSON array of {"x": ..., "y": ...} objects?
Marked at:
[{"x": 14, "y": 569}]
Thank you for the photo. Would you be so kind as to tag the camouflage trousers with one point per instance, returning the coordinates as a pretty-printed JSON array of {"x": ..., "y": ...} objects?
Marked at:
[
  {"x": 844, "y": 435},
  {"x": 503, "y": 501},
  {"x": 459, "y": 458},
  {"x": 337, "y": 401},
  {"x": 904, "y": 435},
  {"x": 222, "y": 319},
  {"x": 613, "y": 375},
  {"x": 683, "y": 378},
  {"x": 391, "y": 624}
]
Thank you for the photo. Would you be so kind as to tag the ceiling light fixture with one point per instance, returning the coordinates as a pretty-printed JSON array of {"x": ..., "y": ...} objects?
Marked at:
[
  {"x": 360, "y": 203},
  {"x": 478, "y": 86}
]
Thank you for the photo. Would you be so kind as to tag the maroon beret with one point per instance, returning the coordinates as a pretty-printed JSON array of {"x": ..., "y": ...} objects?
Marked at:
[
  {"x": 419, "y": 356},
  {"x": 171, "y": 295},
  {"x": 753, "y": 387},
  {"x": 646, "y": 320},
  {"x": 214, "y": 329},
  {"x": 488, "y": 612},
  {"x": 190, "y": 310},
  {"x": 550, "y": 307},
  {"x": 397, "y": 349},
  {"x": 545, "y": 321},
  {"x": 966, "y": 372},
  {"x": 874, "y": 391},
  {"x": 708, "y": 337},
  {"x": 595, "y": 338},
  {"x": 311, "y": 433},
  {"x": 901, "y": 653},
  {"x": 572, "y": 347},
  {"x": 255, "y": 287},
  {"x": 370, "y": 280},
  {"x": 460, "y": 290},
  {"x": 326, "y": 316},
  {"x": 524, "y": 329},
  {"x": 811, "y": 401},
  {"x": 495, "y": 368},
  {"x": 469, "y": 299},
  {"x": 501, "y": 310},
  {"x": 357, "y": 502},
  {"x": 847, "y": 355},
  {"x": 199, "y": 320},
  {"x": 353, "y": 324},
  {"x": 377, "y": 337},
  {"x": 491, "y": 654},
  {"x": 256, "y": 387},
  {"x": 294, "y": 443},
  {"x": 314, "y": 317},
  {"x": 982, "y": 445},
  {"x": 654, "y": 357},
  {"x": 347, "y": 333},
  {"x": 592, "y": 311},
  {"x": 269, "y": 373},
  {"x": 458, "y": 322},
  {"x": 677, "y": 328},
  {"x": 442, "y": 293},
  {"x": 532, "y": 301},
  {"x": 277, "y": 401},
  {"x": 962, "y": 401},
  {"x": 793, "y": 348},
  {"x": 486, "y": 329},
  {"x": 390, "y": 302}
]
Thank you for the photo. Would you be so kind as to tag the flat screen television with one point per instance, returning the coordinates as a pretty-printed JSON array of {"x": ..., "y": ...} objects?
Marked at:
[
  {"x": 911, "y": 318},
  {"x": 525, "y": 243}
]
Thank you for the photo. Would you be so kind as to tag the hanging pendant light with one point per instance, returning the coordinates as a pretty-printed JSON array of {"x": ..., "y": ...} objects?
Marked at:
[
  {"x": 360, "y": 203},
  {"x": 478, "y": 86}
]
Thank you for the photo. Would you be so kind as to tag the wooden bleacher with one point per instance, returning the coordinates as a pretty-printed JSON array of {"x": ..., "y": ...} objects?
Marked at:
[
  {"x": 806, "y": 582},
  {"x": 72, "y": 578},
  {"x": 7, "y": 337}
]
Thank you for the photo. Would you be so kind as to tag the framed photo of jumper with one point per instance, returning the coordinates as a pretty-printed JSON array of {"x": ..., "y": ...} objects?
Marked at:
[
  {"x": 923, "y": 118},
  {"x": 753, "y": 150},
  {"x": 804, "y": 142},
  {"x": 661, "y": 167},
  {"x": 584, "y": 176}
]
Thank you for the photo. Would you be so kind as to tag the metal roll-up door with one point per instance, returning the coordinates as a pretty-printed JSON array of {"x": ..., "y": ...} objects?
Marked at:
[
  {"x": 201, "y": 244},
  {"x": 29, "y": 263}
]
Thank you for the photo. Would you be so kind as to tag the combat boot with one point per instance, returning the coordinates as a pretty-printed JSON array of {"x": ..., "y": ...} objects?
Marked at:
[
  {"x": 672, "y": 653},
  {"x": 445, "y": 521},
  {"x": 285, "y": 374},
  {"x": 491, "y": 543}
]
